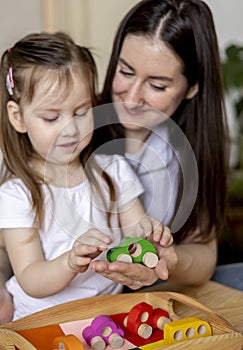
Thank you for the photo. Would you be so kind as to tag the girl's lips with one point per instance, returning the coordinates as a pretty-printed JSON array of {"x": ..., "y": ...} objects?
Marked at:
[{"x": 69, "y": 145}]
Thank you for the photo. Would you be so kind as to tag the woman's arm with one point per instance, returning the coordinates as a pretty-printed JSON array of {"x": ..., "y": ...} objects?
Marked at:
[{"x": 196, "y": 262}]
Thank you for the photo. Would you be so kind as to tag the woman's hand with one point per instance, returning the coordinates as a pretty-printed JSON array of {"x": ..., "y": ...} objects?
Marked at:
[
  {"x": 87, "y": 247},
  {"x": 134, "y": 275}
]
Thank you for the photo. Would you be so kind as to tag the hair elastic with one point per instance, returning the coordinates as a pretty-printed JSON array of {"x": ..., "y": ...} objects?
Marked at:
[{"x": 9, "y": 81}]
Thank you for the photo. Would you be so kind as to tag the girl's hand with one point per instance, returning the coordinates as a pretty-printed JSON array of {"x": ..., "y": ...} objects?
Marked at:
[
  {"x": 87, "y": 247},
  {"x": 153, "y": 229}
]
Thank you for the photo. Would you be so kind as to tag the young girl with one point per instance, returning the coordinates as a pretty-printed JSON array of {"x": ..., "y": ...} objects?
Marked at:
[{"x": 61, "y": 206}]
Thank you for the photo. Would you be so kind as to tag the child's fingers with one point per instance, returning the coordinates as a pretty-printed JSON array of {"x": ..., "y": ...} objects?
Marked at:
[
  {"x": 145, "y": 227},
  {"x": 95, "y": 238},
  {"x": 157, "y": 230},
  {"x": 167, "y": 238},
  {"x": 81, "y": 256},
  {"x": 84, "y": 250},
  {"x": 151, "y": 227}
]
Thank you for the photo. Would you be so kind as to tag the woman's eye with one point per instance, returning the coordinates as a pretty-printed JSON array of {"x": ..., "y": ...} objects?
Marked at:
[
  {"x": 158, "y": 87},
  {"x": 125, "y": 72}
]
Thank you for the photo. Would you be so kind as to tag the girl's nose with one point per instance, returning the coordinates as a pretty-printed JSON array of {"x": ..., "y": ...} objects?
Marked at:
[{"x": 70, "y": 128}]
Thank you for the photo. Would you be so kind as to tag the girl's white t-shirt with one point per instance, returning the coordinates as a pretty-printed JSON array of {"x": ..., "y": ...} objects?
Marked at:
[{"x": 76, "y": 211}]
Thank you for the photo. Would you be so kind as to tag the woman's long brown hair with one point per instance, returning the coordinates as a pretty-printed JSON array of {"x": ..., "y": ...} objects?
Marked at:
[{"x": 187, "y": 27}]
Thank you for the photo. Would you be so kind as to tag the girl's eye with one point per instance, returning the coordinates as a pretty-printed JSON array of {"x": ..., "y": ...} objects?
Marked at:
[
  {"x": 82, "y": 114},
  {"x": 50, "y": 120},
  {"x": 126, "y": 72}
]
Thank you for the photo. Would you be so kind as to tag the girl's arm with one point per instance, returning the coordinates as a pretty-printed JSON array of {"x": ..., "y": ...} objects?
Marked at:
[
  {"x": 6, "y": 270},
  {"x": 40, "y": 278},
  {"x": 6, "y": 304}
]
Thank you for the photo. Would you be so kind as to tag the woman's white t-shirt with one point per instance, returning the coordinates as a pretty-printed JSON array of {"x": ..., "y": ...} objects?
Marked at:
[{"x": 158, "y": 169}]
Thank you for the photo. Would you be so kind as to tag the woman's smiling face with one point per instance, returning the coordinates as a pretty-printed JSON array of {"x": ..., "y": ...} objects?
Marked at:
[{"x": 149, "y": 76}]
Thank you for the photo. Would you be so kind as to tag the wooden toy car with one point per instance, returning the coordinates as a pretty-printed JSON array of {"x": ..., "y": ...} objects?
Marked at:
[
  {"x": 103, "y": 331},
  {"x": 134, "y": 249},
  {"x": 181, "y": 330},
  {"x": 142, "y": 319}
]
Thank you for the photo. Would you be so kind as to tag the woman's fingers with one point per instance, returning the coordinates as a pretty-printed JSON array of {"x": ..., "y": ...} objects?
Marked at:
[{"x": 134, "y": 276}]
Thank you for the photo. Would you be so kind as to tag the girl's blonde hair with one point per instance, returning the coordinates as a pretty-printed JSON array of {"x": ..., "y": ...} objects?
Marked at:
[{"x": 30, "y": 59}]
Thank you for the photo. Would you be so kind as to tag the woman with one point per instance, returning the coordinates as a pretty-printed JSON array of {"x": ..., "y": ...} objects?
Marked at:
[{"x": 165, "y": 59}]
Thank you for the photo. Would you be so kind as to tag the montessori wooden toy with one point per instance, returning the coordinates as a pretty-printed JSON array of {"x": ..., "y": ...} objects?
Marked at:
[
  {"x": 180, "y": 330},
  {"x": 134, "y": 249},
  {"x": 142, "y": 319},
  {"x": 159, "y": 318},
  {"x": 103, "y": 331},
  {"x": 72, "y": 317},
  {"x": 67, "y": 342}
]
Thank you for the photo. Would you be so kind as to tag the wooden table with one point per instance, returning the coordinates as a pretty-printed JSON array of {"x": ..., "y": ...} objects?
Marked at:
[{"x": 224, "y": 301}]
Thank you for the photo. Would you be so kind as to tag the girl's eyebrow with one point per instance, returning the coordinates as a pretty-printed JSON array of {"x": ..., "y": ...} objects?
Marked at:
[
  {"x": 51, "y": 109},
  {"x": 85, "y": 104},
  {"x": 162, "y": 77}
]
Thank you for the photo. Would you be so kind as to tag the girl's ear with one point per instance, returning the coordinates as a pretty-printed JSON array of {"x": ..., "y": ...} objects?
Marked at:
[
  {"x": 192, "y": 91},
  {"x": 15, "y": 116}
]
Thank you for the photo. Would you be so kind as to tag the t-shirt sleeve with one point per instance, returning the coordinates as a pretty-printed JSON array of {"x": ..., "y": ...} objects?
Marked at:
[
  {"x": 127, "y": 183},
  {"x": 15, "y": 206}
]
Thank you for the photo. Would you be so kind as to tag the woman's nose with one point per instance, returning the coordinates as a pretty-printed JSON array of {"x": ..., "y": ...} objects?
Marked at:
[{"x": 135, "y": 94}]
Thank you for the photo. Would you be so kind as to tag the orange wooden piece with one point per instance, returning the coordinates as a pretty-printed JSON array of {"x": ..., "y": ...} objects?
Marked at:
[{"x": 67, "y": 342}]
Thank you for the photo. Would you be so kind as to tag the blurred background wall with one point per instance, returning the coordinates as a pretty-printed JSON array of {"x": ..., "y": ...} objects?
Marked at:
[{"x": 94, "y": 22}]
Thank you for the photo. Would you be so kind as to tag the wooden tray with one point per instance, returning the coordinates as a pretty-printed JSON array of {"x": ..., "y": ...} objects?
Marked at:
[{"x": 224, "y": 336}]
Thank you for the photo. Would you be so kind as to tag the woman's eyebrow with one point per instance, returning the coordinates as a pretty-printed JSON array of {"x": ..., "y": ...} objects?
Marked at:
[
  {"x": 157, "y": 77},
  {"x": 123, "y": 61}
]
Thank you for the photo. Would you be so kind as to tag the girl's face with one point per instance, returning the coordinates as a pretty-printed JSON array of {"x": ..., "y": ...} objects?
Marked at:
[
  {"x": 149, "y": 76},
  {"x": 59, "y": 124}
]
